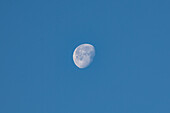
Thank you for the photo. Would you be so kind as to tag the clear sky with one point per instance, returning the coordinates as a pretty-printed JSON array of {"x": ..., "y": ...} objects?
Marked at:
[{"x": 130, "y": 72}]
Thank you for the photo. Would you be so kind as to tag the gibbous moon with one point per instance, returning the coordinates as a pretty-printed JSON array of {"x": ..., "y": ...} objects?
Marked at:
[{"x": 83, "y": 55}]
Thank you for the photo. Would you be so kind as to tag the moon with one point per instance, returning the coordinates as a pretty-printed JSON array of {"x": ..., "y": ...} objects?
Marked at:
[{"x": 83, "y": 55}]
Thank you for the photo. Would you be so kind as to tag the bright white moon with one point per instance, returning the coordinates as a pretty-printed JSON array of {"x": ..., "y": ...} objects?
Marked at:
[{"x": 83, "y": 55}]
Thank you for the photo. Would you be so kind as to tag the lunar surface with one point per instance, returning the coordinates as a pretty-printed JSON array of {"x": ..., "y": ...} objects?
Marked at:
[{"x": 83, "y": 55}]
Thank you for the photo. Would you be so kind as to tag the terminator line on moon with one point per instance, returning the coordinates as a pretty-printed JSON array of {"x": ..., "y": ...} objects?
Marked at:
[{"x": 83, "y": 55}]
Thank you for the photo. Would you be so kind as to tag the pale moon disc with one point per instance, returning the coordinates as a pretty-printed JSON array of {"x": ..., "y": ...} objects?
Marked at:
[{"x": 83, "y": 55}]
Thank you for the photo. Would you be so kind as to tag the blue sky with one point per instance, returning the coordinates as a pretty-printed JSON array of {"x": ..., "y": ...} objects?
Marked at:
[{"x": 130, "y": 72}]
